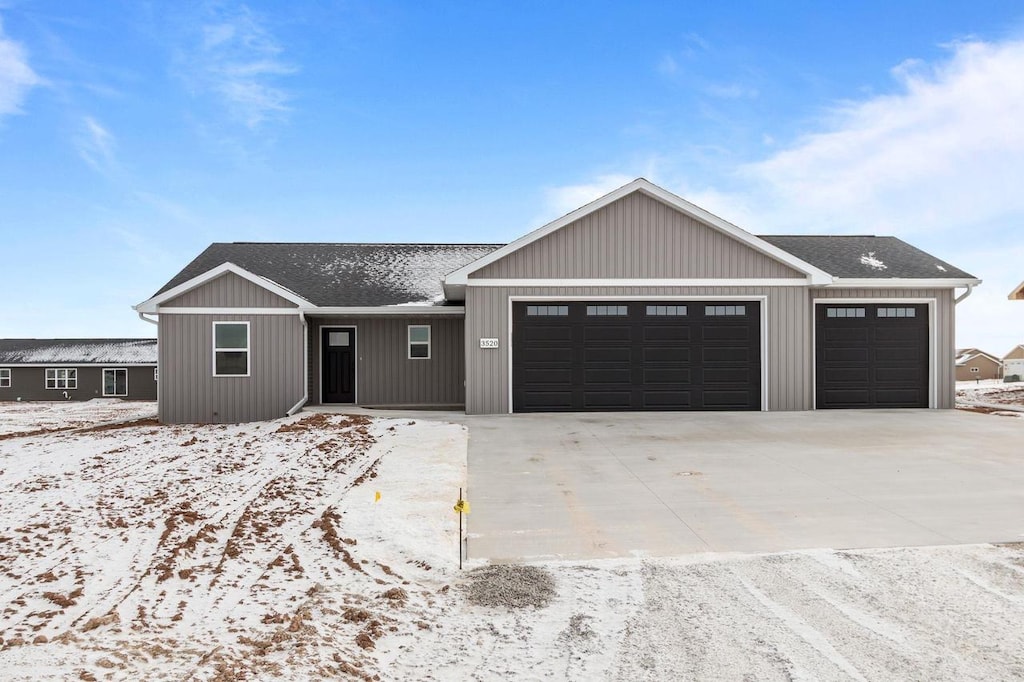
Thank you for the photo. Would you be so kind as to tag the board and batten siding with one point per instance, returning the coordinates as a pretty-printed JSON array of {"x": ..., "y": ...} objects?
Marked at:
[
  {"x": 785, "y": 310},
  {"x": 944, "y": 329},
  {"x": 385, "y": 376},
  {"x": 228, "y": 291},
  {"x": 636, "y": 237},
  {"x": 189, "y": 393}
]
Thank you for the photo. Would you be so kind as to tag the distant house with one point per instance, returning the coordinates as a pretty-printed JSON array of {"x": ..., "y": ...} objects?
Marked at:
[
  {"x": 1013, "y": 362},
  {"x": 639, "y": 300},
  {"x": 973, "y": 364},
  {"x": 78, "y": 369}
]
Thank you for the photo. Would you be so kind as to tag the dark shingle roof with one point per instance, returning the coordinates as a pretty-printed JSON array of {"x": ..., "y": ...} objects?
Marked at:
[
  {"x": 84, "y": 351},
  {"x": 866, "y": 257},
  {"x": 344, "y": 274}
]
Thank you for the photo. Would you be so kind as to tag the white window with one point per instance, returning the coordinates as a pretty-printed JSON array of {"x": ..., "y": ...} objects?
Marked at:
[
  {"x": 115, "y": 383},
  {"x": 61, "y": 378},
  {"x": 419, "y": 341},
  {"x": 230, "y": 349},
  {"x": 5, "y": 377},
  {"x": 156, "y": 374}
]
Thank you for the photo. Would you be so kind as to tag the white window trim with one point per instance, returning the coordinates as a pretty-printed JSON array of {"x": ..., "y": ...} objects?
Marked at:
[
  {"x": 247, "y": 350},
  {"x": 5, "y": 377},
  {"x": 103, "y": 377},
  {"x": 67, "y": 378},
  {"x": 410, "y": 343}
]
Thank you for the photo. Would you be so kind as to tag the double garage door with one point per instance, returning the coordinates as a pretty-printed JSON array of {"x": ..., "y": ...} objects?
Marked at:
[{"x": 636, "y": 355}]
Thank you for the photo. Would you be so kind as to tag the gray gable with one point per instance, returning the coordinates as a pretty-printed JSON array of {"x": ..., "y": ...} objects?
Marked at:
[
  {"x": 866, "y": 257},
  {"x": 344, "y": 275},
  {"x": 78, "y": 351}
]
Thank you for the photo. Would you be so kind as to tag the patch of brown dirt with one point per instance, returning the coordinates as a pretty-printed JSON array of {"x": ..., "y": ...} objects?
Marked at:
[{"x": 149, "y": 421}]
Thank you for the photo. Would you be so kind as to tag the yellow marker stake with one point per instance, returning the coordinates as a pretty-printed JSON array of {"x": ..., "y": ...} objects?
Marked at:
[
  {"x": 376, "y": 497},
  {"x": 462, "y": 507}
]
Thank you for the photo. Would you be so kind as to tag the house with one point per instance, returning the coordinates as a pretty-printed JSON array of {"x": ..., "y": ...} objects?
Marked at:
[
  {"x": 639, "y": 300},
  {"x": 1013, "y": 362},
  {"x": 78, "y": 369},
  {"x": 973, "y": 364}
]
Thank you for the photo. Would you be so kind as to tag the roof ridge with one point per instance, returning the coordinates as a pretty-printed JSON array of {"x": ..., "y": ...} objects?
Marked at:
[{"x": 361, "y": 243}]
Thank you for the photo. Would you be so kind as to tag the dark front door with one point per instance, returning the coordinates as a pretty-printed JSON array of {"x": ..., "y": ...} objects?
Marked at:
[
  {"x": 871, "y": 355},
  {"x": 636, "y": 355},
  {"x": 338, "y": 362}
]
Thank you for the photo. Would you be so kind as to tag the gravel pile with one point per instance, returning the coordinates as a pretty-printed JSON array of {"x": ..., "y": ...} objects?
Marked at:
[{"x": 511, "y": 585}]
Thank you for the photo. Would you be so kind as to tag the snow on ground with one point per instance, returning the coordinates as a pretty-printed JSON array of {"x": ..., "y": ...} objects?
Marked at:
[
  {"x": 260, "y": 552},
  {"x": 25, "y": 417},
  {"x": 988, "y": 395}
]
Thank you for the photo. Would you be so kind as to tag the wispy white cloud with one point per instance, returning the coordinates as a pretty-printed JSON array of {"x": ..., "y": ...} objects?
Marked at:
[
  {"x": 731, "y": 91},
  {"x": 236, "y": 59},
  {"x": 565, "y": 198},
  {"x": 95, "y": 145},
  {"x": 16, "y": 75}
]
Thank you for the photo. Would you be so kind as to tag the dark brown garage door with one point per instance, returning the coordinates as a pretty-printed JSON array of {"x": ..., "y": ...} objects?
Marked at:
[
  {"x": 636, "y": 355},
  {"x": 873, "y": 355}
]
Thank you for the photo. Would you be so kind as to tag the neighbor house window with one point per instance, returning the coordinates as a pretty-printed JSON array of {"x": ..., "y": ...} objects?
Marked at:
[
  {"x": 549, "y": 310},
  {"x": 419, "y": 341},
  {"x": 844, "y": 312},
  {"x": 61, "y": 378},
  {"x": 5, "y": 377},
  {"x": 230, "y": 349},
  {"x": 720, "y": 310},
  {"x": 156, "y": 374},
  {"x": 975, "y": 369},
  {"x": 115, "y": 383},
  {"x": 666, "y": 310},
  {"x": 897, "y": 312},
  {"x": 607, "y": 310}
]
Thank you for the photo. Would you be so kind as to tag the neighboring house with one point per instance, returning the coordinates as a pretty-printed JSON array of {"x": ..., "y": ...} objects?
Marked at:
[
  {"x": 973, "y": 364},
  {"x": 1013, "y": 362},
  {"x": 78, "y": 369},
  {"x": 637, "y": 301}
]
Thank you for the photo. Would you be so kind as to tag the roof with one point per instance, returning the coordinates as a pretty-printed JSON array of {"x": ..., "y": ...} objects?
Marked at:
[
  {"x": 78, "y": 351},
  {"x": 1018, "y": 293},
  {"x": 965, "y": 355},
  {"x": 866, "y": 257},
  {"x": 344, "y": 275}
]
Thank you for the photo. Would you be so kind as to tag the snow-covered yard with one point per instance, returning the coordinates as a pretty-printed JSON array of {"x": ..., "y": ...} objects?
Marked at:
[
  {"x": 261, "y": 551},
  {"x": 990, "y": 396},
  {"x": 27, "y": 417}
]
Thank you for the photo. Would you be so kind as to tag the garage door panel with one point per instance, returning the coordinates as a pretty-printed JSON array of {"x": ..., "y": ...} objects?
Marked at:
[
  {"x": 871, "y": 360},
  {"x": 652, "y": 357}
]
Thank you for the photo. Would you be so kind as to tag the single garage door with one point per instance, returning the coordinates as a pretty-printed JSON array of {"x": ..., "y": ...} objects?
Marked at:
[
  {"x": 873, "y": 355},
  {"x": 636, "y": 355}
]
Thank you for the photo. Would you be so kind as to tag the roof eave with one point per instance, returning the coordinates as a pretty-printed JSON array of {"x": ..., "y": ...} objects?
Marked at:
[
  {"x": 902, "y": 283},
  {"x": 152, "y": 305}
]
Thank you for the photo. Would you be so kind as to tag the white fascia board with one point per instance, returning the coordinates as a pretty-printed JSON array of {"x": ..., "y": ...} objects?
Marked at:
[
  {"x": 737, "y": 282},
  {"x": 403, "y": 310},
  {"x": 816, "y": 275},
  {"x": 900, "y": 283},
  {"x": 1018, "y": 293},
  {"x": 151, "y": 305}
]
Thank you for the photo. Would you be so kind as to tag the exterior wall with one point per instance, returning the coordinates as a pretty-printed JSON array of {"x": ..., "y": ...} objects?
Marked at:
[
  {"x": 786, "y": 312},
  {"x": 229, "y": 291},
  {"x": 1014, "y": 367},
  {"x": 637, "y": 237},
  {"x": 29, "y": 383},
  {"x": 944, "y": 327},
  {"x": 384, "y": 374},
  {"x": 1015, "y": 354},
  {"x": 987, "y": 369},
  {"x": 189, "y": 393}
]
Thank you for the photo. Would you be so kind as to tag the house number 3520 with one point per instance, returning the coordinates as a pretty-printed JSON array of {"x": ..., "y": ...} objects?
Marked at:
[{"x": 488, "y": 343}]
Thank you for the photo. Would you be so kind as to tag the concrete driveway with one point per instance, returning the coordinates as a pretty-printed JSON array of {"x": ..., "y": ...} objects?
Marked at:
[{"x": 656, "y": 484}]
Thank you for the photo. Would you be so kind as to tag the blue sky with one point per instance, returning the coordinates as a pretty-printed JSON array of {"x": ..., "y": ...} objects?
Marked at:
[{"x": 134, "y": 134}]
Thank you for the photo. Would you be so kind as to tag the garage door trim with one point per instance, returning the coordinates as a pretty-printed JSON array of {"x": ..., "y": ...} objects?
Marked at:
[
  {"x": 761, "y": 299},
  {"x": 932, "y": 339}
]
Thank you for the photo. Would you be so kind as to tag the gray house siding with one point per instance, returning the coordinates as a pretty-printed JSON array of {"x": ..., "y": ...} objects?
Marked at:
[
  {"x": 189, "y": 393},
  {"x": 944, "y": 329},
  {"x": 384, "y": 373},
  {"x": 29, "y": 383},
  {"x": 786, "y": 313},
  {"x": 637, "y": 237},
  {"x": 229, "y": 291}
]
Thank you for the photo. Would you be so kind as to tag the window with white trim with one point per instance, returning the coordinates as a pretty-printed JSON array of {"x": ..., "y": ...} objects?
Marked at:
[
  {"x": 547, "y": 310},
  {"x": 115, "y": 383},
  {"x": 156, "y": 374},
  {"x": 666, "y": 310},
  {"x": 419, "y": 341},
  {"x": 844, "y": 312},
  {"x": 61, "y": 378},
  {"x": 231, "y": 349},
  {"x": 607, "y": 310},
  {"x": 5, "y": 377},
  {"x": 723, "y": 310},
  {"x": 897, "y": 312}
]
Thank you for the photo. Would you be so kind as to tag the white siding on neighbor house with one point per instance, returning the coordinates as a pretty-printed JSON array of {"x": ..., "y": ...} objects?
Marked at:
[{"x": 636, "y": 237}]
